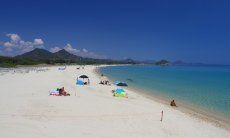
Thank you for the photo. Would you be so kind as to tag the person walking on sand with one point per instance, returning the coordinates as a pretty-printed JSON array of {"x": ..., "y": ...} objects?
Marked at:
[{"x": 162, "y": 113}]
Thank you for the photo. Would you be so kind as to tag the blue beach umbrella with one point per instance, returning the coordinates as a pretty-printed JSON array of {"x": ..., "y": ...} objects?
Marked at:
[
  {"x": 80, "y": 82},
  {"x": 119, "y": 90},
  {"x": 122, "y": 84},
  {"x": 118, "y": 83}
]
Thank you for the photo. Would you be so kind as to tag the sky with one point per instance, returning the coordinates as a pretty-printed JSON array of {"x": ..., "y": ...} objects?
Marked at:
[{"x": 191, "y": 31}]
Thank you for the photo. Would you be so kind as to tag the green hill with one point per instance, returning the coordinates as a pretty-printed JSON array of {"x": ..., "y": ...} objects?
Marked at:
[{"x": 42, "y": 56}]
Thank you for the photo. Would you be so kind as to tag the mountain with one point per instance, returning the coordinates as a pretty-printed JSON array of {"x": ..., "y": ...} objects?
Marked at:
[
  {"x": 36, "y": 54},
  {"x": 63, "y": 54},
  {"x": 162, "y": 63},
  {"x": 42, "y": 56},
  {"x": 129, "y": 61}
]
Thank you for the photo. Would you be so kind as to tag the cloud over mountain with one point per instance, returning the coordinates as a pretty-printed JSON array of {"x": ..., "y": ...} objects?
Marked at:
[
  {"x": 18, "y": 46},
  {"x": 55, "y": 49},
  {"x": 83, "y": 53}
]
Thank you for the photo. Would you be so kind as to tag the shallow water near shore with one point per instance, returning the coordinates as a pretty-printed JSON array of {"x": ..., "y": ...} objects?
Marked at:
[{"x": 203, "y": 87}]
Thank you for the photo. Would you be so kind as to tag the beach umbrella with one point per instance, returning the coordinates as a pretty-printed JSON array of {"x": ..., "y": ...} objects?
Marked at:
[
  {"x": 80, "y": 82},
  {"x": 116, "y": 82},
  {"x": 83, "y": 76},
  {"x": 121, "y": 84},
  {"x": 119, "y": 90}
]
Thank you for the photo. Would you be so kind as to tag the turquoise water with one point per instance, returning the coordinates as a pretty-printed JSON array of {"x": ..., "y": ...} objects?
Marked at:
[{"x": 206, "y": 87}]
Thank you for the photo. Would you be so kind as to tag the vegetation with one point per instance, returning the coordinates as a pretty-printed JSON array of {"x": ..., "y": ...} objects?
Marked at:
[{"x": 41, "y": 56}]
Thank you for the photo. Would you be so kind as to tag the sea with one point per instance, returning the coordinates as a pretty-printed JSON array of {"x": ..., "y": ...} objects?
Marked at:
[{"x": 205, "y": 88}]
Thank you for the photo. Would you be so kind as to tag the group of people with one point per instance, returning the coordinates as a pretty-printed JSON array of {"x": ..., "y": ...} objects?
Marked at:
[
  {"x": 104, "y": 82},
  {"x": 80, "y": 67},
  {"x": 62, "y": 91}
]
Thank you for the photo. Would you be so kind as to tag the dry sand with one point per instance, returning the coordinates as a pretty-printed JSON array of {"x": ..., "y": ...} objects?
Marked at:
[{"x": 27, "y": 110}]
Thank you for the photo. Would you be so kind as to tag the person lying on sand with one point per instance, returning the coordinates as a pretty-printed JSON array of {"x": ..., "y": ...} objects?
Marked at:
[
  {"x": 63, "y": 92},
  {"x": 173, "y": 103}
]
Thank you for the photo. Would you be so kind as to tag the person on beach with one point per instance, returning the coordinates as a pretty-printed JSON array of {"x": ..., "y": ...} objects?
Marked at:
[
  {"x": 63, "y": 92},
  {"x": 101, "y": 82},
  {"x": 173, "y": 103},
  {"x": 162, "y": 114},
  {"x": 88, "y": 81},
  {"x": 107, "y": 83}
]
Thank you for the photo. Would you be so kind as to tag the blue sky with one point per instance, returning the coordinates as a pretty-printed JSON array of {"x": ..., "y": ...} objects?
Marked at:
[{"x": 192, "y": 31}]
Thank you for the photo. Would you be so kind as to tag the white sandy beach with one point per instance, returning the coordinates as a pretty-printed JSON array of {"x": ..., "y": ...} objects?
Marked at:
[{"x": 27, "y": 110}]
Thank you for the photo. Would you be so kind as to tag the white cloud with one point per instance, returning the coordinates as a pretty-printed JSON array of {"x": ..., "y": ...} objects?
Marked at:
[
  {"x": 82, "y": 53},
  {"x": 55, "y": 49},
  {"x": 8, "y": 44},
  {"x": 84, "y": 50},
  {"x": 71, "y": 50},
  {"x": 38, "y": 41},
  {"x": 8, "y": 49},
  {"x": 14, "y": 37},
  {"x": 18, "y": 46}
]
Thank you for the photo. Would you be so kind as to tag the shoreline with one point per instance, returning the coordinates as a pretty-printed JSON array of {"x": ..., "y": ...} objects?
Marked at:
[
  {"x": 27, "y": 109},
  {"x": 189, "y": 110}
]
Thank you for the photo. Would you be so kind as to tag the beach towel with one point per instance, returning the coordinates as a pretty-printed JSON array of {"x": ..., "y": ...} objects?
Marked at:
[
  {"x": 122, "y": 94},
  {"x": 54, "y": 92}
]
